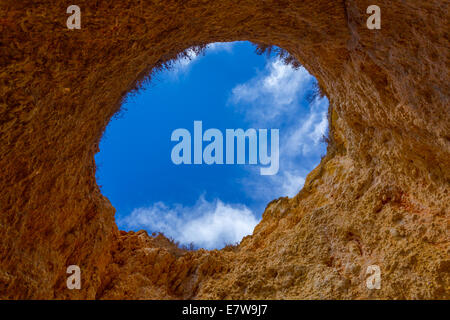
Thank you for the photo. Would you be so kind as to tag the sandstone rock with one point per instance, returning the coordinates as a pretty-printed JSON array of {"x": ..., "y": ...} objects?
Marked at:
[{"x": 389, "y": 151}]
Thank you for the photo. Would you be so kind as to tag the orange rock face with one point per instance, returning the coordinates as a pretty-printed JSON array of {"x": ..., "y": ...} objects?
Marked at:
[{"x": 379, "y": 197}]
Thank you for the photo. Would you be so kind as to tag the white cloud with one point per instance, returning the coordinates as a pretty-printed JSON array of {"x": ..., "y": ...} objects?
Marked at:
[
  {"x": 183, "y": 65},
  {"x": 208, "y": 225},
  {"x": 275, "y": 98},
  {"x": 220, "y": 46},
  {"x": 291, "y": 183},
  {"x": 272, "y": 92},
  {"x": 287, "y": 182},
  {"x": 304, "y": 138}
]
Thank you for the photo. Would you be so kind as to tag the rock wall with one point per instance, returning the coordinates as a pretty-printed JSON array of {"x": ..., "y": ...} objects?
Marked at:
[{"x": 380, "y": 196}]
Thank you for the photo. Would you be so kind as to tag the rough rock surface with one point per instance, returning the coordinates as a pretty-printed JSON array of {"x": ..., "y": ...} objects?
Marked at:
[{"x": 380, "y": 196}]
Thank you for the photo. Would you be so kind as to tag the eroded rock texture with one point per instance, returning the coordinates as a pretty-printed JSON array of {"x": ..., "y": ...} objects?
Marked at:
[{"x": 380, "y": 196}]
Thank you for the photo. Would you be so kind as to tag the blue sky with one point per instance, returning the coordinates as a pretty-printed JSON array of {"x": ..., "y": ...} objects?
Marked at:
[{"x": 209, "y": 205}]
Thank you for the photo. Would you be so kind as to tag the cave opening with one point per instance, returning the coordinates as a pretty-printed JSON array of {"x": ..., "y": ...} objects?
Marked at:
[{"x": 225, "y": 86}]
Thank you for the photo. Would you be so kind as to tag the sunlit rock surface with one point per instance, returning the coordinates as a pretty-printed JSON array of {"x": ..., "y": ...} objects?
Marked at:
[{"x": 379, "y": 197}]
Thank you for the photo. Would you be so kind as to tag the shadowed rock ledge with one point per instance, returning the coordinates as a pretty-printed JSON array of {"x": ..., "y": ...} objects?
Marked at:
[{"x": 380, "y": 195}]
